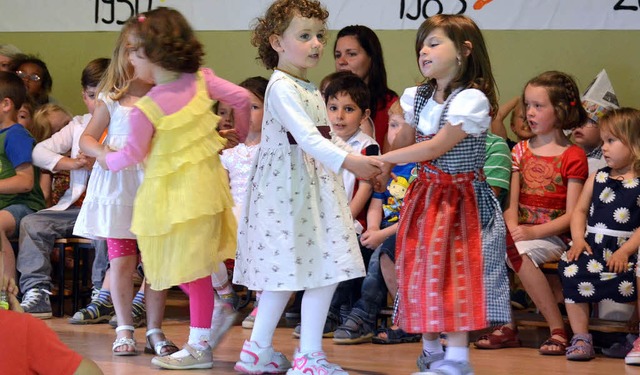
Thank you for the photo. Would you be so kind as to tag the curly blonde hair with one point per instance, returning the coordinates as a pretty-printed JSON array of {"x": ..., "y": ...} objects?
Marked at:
[
  {"x": 275, "y": 22},
  {"x": 624, "y": 124}
]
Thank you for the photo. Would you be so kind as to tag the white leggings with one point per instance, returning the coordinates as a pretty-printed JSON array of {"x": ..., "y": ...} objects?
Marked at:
[{"x": 315, "y": 306}]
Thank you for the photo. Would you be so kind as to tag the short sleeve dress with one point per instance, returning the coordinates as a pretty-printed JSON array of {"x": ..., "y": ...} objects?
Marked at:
[{"x": 297, "y": 230}]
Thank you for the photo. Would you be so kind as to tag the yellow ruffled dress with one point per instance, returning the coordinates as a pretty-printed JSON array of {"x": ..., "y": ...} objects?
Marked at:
[{"x": 183, "y": 214}]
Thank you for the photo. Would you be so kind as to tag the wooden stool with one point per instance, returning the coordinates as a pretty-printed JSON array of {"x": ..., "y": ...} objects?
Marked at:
[{"x": 80, "y": 248}]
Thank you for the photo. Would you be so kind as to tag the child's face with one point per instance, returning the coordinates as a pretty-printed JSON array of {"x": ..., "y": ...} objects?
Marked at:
[
  {"x": 24, "y": 116},
  {"x": 587, "y": 136},
  {"x": 142, "y": 66},
  {"x": 540, "y": 113},
  {"x": 616, "y": 154},
  {"x": 396, "y": 121},
  {"x": 226, "y": 116},
  {"x": 5, "y": 63},
  {"x": 31, "y": 75},
  {"x": 257, "y": 112},
  {"x": 58, "y": 120},
  {"x": 519, "y": 125},
  {"x": 300, "y": 46},
  {"x": 345, "y": 115},
  {"x": 438, "y": 57},
  {"x": 89, "y": 98},
  {"x": 350, "y": 56}
]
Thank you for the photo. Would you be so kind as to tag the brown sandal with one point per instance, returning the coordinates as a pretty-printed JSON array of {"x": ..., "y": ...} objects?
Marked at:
[
  {"x": 551, "y": 341},
  {"x": 508, "y": 339}
]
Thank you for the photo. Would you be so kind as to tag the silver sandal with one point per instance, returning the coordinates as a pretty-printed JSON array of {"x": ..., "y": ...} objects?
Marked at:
[
  {"x": 122, "y": 341},
  {"x": 157, "y": 347}
]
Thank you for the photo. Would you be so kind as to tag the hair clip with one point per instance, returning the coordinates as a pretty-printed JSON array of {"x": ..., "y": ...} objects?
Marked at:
[
  {"x": 572, "y": 103},
  {"x": 141, "y": 18}
]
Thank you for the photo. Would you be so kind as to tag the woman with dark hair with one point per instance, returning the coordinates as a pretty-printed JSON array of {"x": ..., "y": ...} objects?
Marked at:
[
  {"x": 357, "y": 49},
  {"x": 36, "y": 77}
]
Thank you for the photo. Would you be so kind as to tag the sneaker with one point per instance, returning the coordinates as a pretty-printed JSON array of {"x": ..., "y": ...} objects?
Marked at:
[
  {"x": 247, "y": 323},
  {"x": 36, "y": 302},
  {"x": 330, "y": 327},
  {"x": 314, "y": 363},
  {"x": 197, "y": 359},
  {"x": 425, "y": 360},
  {"x": 620, "y": 349},
  {"x": 257, "y": 360},
  {"x": 447, "y": 366},
  {"x": 231, "y": 299},
  {"x": 224, "y": 315},
  {"x": 97, "y": 311},
  {"x": 292, "y": 313},
  {"x": 139, "y": 313},
  {"x": 633, "y": 357}
]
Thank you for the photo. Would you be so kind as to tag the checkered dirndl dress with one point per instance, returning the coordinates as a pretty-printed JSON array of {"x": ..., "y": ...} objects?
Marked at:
[{"x": 451, "y": 242}]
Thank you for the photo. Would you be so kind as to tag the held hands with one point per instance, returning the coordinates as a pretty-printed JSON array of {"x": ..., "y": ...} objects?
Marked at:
[
  {"x": 578, "y": 247},
  {"x": 365, "y": 167},
  {"x": 83, "y": 161},
  {"x": 380, "y": 181},
  {"x": 619, "y": 262},
  {"x": 9, "y": 286}
]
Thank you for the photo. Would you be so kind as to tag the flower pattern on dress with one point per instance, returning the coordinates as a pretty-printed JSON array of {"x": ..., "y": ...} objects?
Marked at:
[
  {"x": 607, "y": 195},
  {"x": 599, "y": 236},
  {"x": 586, "y": 289},
  {"x": 591, "y": 210},
  {"x": 621, "y": 215},
  {"x": 594, "y": 266},
  {"x": 571, "y": 270},
  {"x": 607, "y": 253},
  {"x": 630, "y": 183},
  {"x": 626, "y": 288},
  {"x": 563, "y": 257},
  {"x": 540, "y": 176},
  {"x": 602, "y": 176}
]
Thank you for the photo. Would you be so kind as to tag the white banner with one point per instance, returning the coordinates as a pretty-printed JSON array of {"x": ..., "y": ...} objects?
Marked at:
[{"x": 108, "y": 15}]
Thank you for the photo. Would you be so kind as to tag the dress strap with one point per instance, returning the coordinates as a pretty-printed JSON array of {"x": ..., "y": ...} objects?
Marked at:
[{"x": 150, "y": 108}]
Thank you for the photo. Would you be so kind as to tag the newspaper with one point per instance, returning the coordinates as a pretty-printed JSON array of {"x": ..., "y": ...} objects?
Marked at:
[{"x": 599, "y": 97}]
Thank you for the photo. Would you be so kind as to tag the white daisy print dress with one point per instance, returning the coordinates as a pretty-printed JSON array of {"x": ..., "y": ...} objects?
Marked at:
[{"x": 613, "y": 216}]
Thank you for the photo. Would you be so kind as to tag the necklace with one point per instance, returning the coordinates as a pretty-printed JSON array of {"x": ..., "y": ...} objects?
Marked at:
[{"x": 292, "y": 75}]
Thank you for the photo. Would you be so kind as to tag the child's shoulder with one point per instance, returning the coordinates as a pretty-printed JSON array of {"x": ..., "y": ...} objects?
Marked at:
[{"x": 16, "y": 131}]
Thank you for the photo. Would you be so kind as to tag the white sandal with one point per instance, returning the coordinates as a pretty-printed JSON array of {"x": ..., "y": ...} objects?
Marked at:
[
  {"x": 124, "y": 341},
  {"x": 156, "y": 348}
]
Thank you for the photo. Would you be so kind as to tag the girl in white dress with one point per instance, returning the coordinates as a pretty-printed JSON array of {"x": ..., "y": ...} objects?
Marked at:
[{"x": 297, "y": 232}]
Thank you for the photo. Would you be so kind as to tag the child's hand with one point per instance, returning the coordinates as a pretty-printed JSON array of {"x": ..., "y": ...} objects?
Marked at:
[
  {"x": 83, "y": 161},
  {"x": 618, "y": 262},
  {"x": 231, "y": 135},
  {"x": 380, "y": 181},
  {"x": 364, "y": 167},
  {"x": 372, "y": 238},
  {"x": 102, "y": 157},
  {"x": 9, "y": 286},
  {"x": 522, "y": 233},
  {"x": 578, "y": 247}
]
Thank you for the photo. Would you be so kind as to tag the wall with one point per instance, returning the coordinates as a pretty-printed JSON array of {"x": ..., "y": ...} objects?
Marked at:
[{"x": 516, "y": 56}]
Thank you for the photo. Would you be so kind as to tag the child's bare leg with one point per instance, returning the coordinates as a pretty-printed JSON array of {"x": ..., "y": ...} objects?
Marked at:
[
  {"x": 155, "y": 302},
  {"x": 578, "y": 317},
  {"x": 122, "y": 293},
  {"x": 7, "y": 228},
  {"x": 536, "y": 285},
  {"x": 556, "y": 287}
]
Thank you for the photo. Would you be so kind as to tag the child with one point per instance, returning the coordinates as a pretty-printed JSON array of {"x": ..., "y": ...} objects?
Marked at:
[
  {"x": 517, "y": 122},
  {"x": 107, "y": 207},
  {"x": 225, "y": 111},
  {"x": 450, "y": 215},
  {"x": 238, "y": 162},
  {"x": 296, "y": 196},
  {"x": 48, "y": 120},
  {"x": 601, "y": 261},
  {"x": 20, "y": 192},
  {"x": 25, "y": 114},
  {"x": 38, "y": 231},
  {"x": 183, "y": 230},
  {"x": 548, "y": 174},
  {"x": 366, "y": 125}
]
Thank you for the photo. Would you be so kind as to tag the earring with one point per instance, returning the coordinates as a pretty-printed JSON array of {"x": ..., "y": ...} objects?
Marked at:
[{"x": 458, "y": 60}]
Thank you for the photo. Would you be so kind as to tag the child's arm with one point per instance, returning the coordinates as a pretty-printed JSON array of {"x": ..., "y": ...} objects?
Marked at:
[
  {"x": 443, "y": 141},
  {"x": 497, "y": 125},
  {"x": 619, "y": 261},
  {"x": 234, "y": 95},
  {"x": 22, "y": 182},
  {"x": 137, "y": 147},
  {"x": 372, "y": 238},
  {"x": 49, "y": 154},
  {"x": 89, "y": 140},
  {"x": 578, "y": 222},
  {"x": 511, "y": 212},
  {"x": 360, "y": 198},
  {"x": 46, "y": 181}
]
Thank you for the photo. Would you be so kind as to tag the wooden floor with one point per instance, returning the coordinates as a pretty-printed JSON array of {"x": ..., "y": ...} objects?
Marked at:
[{"x": 94, "y": 341}]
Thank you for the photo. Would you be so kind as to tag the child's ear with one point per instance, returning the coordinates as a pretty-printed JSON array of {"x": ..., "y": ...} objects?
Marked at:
[
  {"x": 467, "y": 46},
  {"x": 275, "y": 42},
  {"x": 366, "y": 114},
  {"x": 6, "y": 105}
]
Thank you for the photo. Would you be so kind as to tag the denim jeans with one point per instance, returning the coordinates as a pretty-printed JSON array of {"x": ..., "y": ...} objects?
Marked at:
[
  {"x": 374, "y": 289},
  {"x": 38, "y": 233},
  {"x": 348, "y": 292}
]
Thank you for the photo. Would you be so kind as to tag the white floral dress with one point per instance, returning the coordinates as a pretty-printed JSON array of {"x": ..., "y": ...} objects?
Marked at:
[
  {"x": 297, "y": 231},
  {"x": 613, "y": 216}
]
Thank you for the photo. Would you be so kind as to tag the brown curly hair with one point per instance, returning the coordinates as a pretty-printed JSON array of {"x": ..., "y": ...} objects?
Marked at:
[
  {"x": 564, "y": 97},
  {"x": 276, "y": 20},
  {"x": 167, "y": 39}
]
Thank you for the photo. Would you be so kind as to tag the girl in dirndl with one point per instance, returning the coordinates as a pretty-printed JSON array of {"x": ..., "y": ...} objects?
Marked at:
[{"x": 451, "y": 236}]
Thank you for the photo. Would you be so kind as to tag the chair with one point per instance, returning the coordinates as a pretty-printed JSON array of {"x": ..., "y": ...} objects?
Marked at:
[{"x": 81, "y": 249}]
